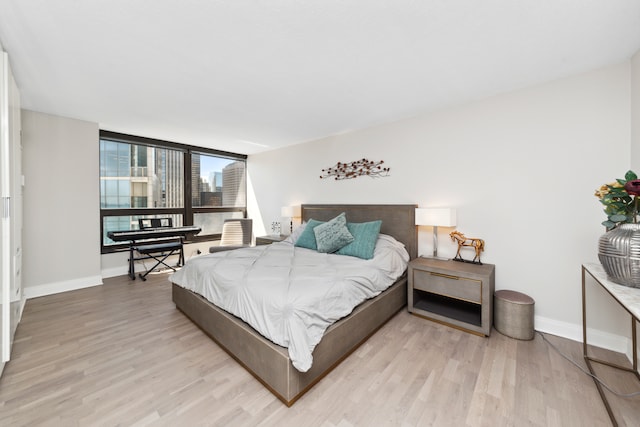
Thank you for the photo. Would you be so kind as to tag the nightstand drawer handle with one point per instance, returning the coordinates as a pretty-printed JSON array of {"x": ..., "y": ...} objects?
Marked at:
[{"x": 445, "y": 276}]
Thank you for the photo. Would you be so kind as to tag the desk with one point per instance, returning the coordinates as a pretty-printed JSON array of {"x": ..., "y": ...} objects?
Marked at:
[
  {"x": 629, "y": 299},
  {"x": 133, "y": 236}
]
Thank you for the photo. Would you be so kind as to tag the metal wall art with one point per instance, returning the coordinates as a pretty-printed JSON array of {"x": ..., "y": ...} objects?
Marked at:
[{"x": 355, "y": 169}]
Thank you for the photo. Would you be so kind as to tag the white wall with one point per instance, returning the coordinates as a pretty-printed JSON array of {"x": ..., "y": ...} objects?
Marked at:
[
  {"x": 61, "y": 204},
  {"x": 62, "y": 208},
  {"x": 635, "y": 112},
  {"x": 521, "y": 168}
]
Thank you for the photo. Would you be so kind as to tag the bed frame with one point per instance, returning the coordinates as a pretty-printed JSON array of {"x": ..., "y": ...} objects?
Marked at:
[{"x": 270, "y": 363}]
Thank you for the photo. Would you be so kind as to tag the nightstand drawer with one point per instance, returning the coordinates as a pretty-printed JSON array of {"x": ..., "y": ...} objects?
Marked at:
[{"x": 448, "y": 285}]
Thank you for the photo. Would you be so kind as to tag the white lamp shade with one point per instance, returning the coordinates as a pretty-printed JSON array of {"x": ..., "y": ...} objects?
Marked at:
[
  {"x": 290, "y": 212},
  {"x": 442, "y": 217}
]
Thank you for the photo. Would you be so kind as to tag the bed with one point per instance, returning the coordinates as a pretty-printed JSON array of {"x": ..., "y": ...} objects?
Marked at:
[{"x": 270, "y": 363}]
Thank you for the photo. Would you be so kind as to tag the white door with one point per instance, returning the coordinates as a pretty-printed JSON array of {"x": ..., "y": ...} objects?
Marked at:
[
  {"x": 11, "y": 298},
  {"x": 15, "y": 158},
  {"x": 5, "y": 227}
]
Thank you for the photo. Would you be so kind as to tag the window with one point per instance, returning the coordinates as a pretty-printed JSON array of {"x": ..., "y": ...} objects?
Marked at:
[
  {"x": 146, "y": 178},
  {"x": 216, "y": 182}
]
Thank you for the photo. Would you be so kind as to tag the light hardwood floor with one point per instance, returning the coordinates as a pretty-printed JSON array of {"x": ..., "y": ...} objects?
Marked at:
[{"x": 121, "y": 354}]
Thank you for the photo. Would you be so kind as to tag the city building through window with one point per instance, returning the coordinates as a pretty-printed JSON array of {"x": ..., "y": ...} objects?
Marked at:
[{"x": 148, "y": 178}]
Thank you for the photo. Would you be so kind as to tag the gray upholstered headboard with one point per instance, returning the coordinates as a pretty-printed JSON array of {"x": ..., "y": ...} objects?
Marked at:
[{"x": 397, "y": 220}]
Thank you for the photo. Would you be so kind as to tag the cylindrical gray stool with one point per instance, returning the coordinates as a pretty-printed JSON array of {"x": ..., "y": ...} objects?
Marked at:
[{"x": 513, "y": 314}]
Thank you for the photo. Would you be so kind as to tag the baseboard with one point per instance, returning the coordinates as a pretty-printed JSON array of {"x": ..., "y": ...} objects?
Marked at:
[
  {"x": 140, "y": 267},
  {"x": 57, "y": 287},
  {"x": 114, "y": 272},
  {"x": 120, "y": 271},
  {"x": 595, "y": 337}
]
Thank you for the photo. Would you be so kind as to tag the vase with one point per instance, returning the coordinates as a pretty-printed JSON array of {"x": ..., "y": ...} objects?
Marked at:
[{"x": 619, "y": 254}]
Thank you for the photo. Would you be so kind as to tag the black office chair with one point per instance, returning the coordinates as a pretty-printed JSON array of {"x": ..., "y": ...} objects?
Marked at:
[
  {"x": 162, "y": 250},
  {"x": 236, "y": 233}
]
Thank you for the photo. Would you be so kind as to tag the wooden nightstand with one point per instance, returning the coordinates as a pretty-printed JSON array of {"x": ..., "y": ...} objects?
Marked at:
[
  {"x": 455, "y": 293},
  {"x": 267, "y": 240}
]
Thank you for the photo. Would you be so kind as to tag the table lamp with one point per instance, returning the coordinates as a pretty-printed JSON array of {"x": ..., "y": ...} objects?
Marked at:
[
  {"x": 436, "y": 217},
  {"x": 290, "y": 212}
]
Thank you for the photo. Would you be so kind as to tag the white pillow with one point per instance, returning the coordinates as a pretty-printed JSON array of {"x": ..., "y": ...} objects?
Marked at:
[
  {"x": 296, "y": 233},
  {"x": 391, "y": 256},
  {"x": 388, "y": 243}
]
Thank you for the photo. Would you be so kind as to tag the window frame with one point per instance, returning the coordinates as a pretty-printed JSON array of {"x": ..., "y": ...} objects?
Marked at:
[{"x": 187, "y": 211}]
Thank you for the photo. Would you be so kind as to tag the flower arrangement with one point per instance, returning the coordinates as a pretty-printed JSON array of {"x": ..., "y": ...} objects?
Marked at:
[
  {"x": 620, "y": 200},
  {"x": 275, "y": 227}
]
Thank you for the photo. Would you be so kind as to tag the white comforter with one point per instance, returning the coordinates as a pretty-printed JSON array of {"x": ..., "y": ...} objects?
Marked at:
[{"x": 291, "y": 295}]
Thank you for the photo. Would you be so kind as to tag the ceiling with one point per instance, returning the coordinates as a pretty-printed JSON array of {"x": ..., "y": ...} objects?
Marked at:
[{"x": 249, "y": 76}]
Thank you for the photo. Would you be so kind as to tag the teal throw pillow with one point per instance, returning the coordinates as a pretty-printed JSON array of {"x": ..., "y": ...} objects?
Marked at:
[
  {"x": 308, "y": 239},
  {"x": 365, "y": 237},
  {"x": 333, "y": 235}
]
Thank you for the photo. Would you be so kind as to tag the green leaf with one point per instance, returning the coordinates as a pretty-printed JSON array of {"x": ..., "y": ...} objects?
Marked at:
[
  {"x": 609, "y": 224},
  {"x": 630, "y": 175},
  {"x": 618, "y": 218},
  {"x": 621, "y": 181},
  {"x": 618, "y": 192},
  {"x": 620, "y": 197},
  {"x": 618, "y": 207}
]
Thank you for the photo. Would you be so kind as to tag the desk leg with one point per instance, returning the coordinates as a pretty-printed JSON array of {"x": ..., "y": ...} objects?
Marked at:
[
  {"x": 587, "y": 359},
  {"x": 635, "y": 346},
  {"x": 584, "y": 314}
]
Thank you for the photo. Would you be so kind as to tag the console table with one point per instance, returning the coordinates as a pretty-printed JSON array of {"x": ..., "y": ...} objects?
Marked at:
[{"x": 629, "y": 299}]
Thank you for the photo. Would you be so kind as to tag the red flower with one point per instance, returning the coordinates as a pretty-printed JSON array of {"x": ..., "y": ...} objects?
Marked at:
[{"x": 633, "y": 187}]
